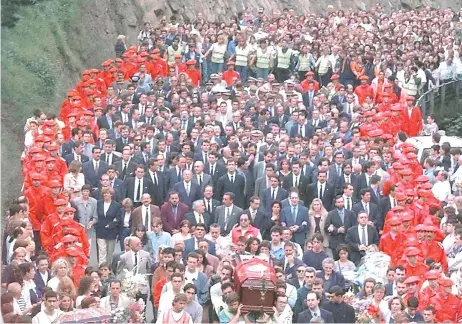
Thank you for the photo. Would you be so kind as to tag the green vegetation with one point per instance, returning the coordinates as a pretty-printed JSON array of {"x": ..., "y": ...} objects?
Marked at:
[{"x": 38, "y": 67}]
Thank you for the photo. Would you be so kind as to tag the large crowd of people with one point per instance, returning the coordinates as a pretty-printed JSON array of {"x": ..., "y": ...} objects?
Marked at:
[{"x": 272, "y": 135}]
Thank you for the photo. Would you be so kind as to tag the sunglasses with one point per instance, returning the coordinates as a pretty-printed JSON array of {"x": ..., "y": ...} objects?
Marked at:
[{"x": 300, "y": 271}]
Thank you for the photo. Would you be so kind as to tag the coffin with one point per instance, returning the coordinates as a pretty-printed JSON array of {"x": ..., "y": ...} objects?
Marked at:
[{"x": 255, "y": 282}]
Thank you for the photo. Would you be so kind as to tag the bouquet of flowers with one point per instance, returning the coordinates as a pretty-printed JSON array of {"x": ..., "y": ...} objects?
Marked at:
[
  {"x": 133, "y": 314},
  {"x": 370, "y": 315},
  {"x": 133, "y": 283}
]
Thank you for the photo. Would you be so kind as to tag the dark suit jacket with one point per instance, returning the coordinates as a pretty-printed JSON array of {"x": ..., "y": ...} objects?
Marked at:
[
  {"x": 301, "y": 220},
  {"x": 224, "y": 185},
  {"x": 327, "y": 198},
  {"x": 103, "y": 123},
  {"x": 354, "y": 241},
  {"x": 108, "y": 224},
  {"x": 91, "y": 177},
  {"x": 375, "y": 198},
  {"x": 120, "y": 144},
  {"x": 291, "y": 271},
  {"x": 333, "y": 218},
  {"x": 70, "y": 157},
  {"x": 169, "y": 221},
  {"x": 39, "y": 284},
  {"x": 192, "y": 219},
  {"x": 130, "y": 187},
  {"x": 384, "y": 206},
  {"x": 195, "y": 193},
  {"x": 305, "y": 316},
  {"x": 214, "y": 205},
  {"x": 342, "y": 313},
  {"x": 159, "y": 193},
  {"x": 341, "y": 183},
  {"x": 295, "y": 130},
  {"x": 218, "y": 172},
  {"x": 374, "y": 213},
  {"x": 115, "y": 158},
  {"x": 268, "y": 199},
  {"x": 137, "y": 217},
  {"x": 172, "y": 177},
  {"x": 130, "y": 172},
  {"x": 67, "y": 147},
  {"x": 189, "y": 246},
  {"x": 303, "y": 183},
  {"x": 262, "y": 220}
]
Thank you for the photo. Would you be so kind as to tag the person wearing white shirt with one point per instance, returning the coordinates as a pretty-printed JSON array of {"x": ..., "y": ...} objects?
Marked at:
[
  {"x": 175, "y": 313},
  {"x": 450, "y": 238},
  {"x": 51, "y": 311},
  {"x": 166, "y": 298},
  {"x": 442, "y": 188}
]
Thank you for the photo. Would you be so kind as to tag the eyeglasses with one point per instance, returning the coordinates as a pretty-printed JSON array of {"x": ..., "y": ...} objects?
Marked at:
[{"x": 301, "y": 270}]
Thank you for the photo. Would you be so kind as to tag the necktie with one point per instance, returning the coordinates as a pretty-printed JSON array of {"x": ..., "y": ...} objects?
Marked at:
[
  {"x": 138, "y": 191},
  {"x": 339, "y": 170},
  {"x": 145, "y": 158},
  {"x": 183, "y": 124},
  {"x": 232, "y": 178},
  {"x": 300, "y": 130},
  {"x": 200, "y": 180},
  {"x": 367, "y": 209},
  {"x": 201, "y": 219},
  {"x": 187, "y": 189},
  {"x": 107, "y": 158},
  {"x": 146, "y": 220},
  {"x": 363, "y": 236},
  {"x": 209, "y": 206},
  {"x": 320, "y": 191},
  {"x": 294, "y": 214},
  {"x": 78, "y": 158},
  {"x": 136, "y": 259},
  {"x": 274, "y": 194},
  {"x": 149, "y": 120},
  {"x": 96, "y": 166},
  {"x": 124, "y": 170},
  {"x": 175, "y": 210},
  {"x": 296, "y": 181},
  {"x": 315, "y": 314},
  {"x": 393, "y": 203},
  {"x": 349, "y": 203},
  {"x": 206, "y": 155},
  {"x": 367, "y": 180},
  {"x": 347, "y": 179},
  {"x": 211, "y": 170}
]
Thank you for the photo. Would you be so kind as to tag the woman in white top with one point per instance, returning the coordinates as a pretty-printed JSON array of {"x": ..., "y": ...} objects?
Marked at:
[
  {"x": 30, "y": 134},
  {"x": 317, "y": 216},
  {"x": 74, "y": 179},
  {"x": 184, "y": 233},
  {"x": 218, "y": 54},
  {"x": 29, "y": 288},
  {"x": 60, "y": 269},
  {"x": 378, "y": 301}
]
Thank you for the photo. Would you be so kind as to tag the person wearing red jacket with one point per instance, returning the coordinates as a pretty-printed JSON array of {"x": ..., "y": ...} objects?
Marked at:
[
  {"x": 395, "y": 120},
  {"x": 51, "y": 172},
  {"x": 435, "y": 248},
  {"x": 364, "y": 90},
  {"x": 193, "y": 73},
  {"x": 390, "y": 242},
  {"x": 412, "y": 283},
  {"x": 35, "y": 195},
  {"x": 38, "y": 162},
  {"x": 309, "y": 79},
  {"x": 430, "y": 291},
  {"x": 411, "y": 118},
  {"x": 230, "y": 74},
  {"x": 413, "y": 266},
  {"x": 67, "y": 225},
  {"x": 448, "y": 306},
  {"x": 49, "y": 222},
  {"x": 52, "y": 195},
  {"x": 61, "y": 165}
]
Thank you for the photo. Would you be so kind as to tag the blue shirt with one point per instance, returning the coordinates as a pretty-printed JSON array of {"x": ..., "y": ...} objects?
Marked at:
[
  {"x": 278, "y": 252},
  {"x": 157, "y": 240}
]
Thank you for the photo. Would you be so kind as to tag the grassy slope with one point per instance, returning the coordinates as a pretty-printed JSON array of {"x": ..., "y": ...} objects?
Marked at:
[{"x": 38, "y": 67}]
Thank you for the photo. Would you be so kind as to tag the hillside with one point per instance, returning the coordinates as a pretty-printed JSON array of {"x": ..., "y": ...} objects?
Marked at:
[{"x": 54, "y": 40}]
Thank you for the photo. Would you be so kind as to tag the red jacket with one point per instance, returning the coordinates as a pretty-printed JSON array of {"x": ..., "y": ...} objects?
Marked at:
[
  {"x": 411, "y": 125},
  {"x": 362, "y": 91},
  {"x": 448, "y": 308},
  {"x": 36, "y": 196}
]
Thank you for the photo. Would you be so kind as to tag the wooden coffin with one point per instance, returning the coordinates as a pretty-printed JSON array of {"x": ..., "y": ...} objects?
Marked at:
[{"x": 255, "y": 282}]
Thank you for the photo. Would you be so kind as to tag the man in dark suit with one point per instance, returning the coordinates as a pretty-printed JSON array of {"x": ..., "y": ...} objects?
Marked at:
[
  {"x": 108, "y": 156},
  {"x": 302, "y": 128},
  {"x": 257, "y": 217},
  {"x": 159, "y": 186},
  {"x": 123, "y": 140},
  {"x": 93, "y": 169},
  {"x": 76, "y": 154},
  {"x": 200, "y": 177},
  {"x": 232, "y": 182},
  {"x": 136, "y": 186},
  {"x": 375, "y": 190},
  {"x": 322, "y": 190},
  {"x": 144, "y": 154},
  {"x": 339, "y": 220},
  {"x": 364, "y": 179},
  {"x": 297, "y": 180},
  {"x": 341, "y": 311},
  {"x": 125, "y": 167},
  {"x": 199, "y": 215},
  {"x": 42, "y": 275},
  {"x": 192, "y": 244},
  {"x": 68, "y": 146},
  {"x": 210, "y": 203},
  {"x": 175, "y": 174},
  {"x": 188, "y": 191},
  {"x": 107, "y": 120},
  {"x": 313, "y": 311},
  {"x": 387, "y": 203},
  {"x": 296, "y": 218},
  {"x": 273, "y": 193},
  {"x": 360, "y": 236},
  {"x": 106, "y": 183},
  {"x": 227, "y": 215},
  {"x": 347, "y": 177},
  {"x": 370, "y": 208},
  {"x": 213, "y": 168},
  {"x": 316, "y": 122},
  {"x": 172, "y": 213}
]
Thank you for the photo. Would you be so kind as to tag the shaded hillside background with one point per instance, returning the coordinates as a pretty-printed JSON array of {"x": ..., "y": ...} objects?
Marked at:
[{"x": 52, "y": 41}]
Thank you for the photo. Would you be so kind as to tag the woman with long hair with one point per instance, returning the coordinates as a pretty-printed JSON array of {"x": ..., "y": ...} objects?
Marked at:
[
  {"x": 65, "y": 302},
  {"x": 74, "y": 179},
  {"x": 203, "y": 264},
  {"x": 252, "y": 245},
  {"x": 28, "y": 274},
  {"x": 66, "y": 285},
  {"x": 367, "y": 289},
  {"x": 140, "y": 232},
  {"x": 84, "y": 289},
  {"x": 184, "y": 233},
  {"x": 60, "y": 269},
  {"x": 317, "y": 216}
]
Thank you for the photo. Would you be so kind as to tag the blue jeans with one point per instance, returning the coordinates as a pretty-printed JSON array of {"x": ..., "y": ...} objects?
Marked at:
[
  {"x": 124, "y": 232},
  {"x": 216, "y": 68},
  {"x": 262, "y": 73},
  {"x": 205, "y": 71},
  {"x": 242, "y": 70}
]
